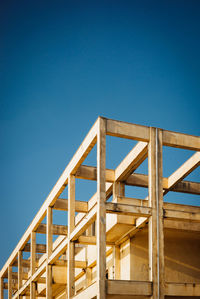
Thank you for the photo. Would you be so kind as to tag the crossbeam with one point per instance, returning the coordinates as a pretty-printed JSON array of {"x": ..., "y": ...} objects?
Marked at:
[
  {"x": 62, "y": 204},
  {"x": 125, "y": 209},
  {"x": 129, "y": 287},
  {"x": 56, "y": 229},
  {"x": 137, "y": 179},
  {"x": 40, "y": 248}
]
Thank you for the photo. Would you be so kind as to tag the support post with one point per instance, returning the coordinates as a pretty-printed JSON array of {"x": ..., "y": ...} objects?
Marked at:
[
  {"x": 101, "y": 209},
  {"x": 156, "y": 232},
  {"x": 71, "y": 244},
  {"x": 118, "y": 190},
  {"x": 1, "y": 288},
  {"x": 49, "y": 252},
  {"x": 116, "y": 262},
  {"x": 20, "y": 257},
  {"x": 9, "y": 282},
  {"x": 33, "y": 265}
]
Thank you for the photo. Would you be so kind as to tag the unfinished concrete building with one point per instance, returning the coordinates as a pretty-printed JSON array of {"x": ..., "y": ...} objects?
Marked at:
[{"x": 114, "y": 246}]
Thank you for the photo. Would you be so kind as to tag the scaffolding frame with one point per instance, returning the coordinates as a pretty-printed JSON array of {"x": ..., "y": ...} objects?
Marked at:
[{"x": 152, "y": 211}]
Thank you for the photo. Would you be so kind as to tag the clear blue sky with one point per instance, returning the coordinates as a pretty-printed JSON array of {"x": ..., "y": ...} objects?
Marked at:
[{"x": 63, "y": 63}]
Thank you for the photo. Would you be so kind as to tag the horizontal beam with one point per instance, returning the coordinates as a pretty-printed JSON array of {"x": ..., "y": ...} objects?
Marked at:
[
  {"x": 25, "y": 263},
  {"x": 139, "y": 180},
  {"x": 127, "y": 130},
  {"x": 167, "y": 205},
  {"x": 90, "y": 240},
  {"x": 90, "y": 173},
  {"x": 78, "y": 264},
  {"x": 182, "y": 225},
  {"x": 181, "y": 140},
  {"x": 181, "y": 215},
  {"x": 187, "y": 187},
  {"x": 62, "y": 204},
  {"x": 129, "y": 287},
  {"x": 14, "y": 286},
  {"x": 15, "y": 275},
  {"x": 126, "y": 209},
  {"x": 182, "y": 289},
  {"x": 40, "y": 248},
  {"x": 56, "y": 229},
  {"x": 87, "y": 240}
]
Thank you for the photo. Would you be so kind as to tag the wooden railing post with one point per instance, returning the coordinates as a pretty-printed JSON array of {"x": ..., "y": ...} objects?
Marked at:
[
  {"x": 1, "y": 288},
  {"x": 71, "y": 244},
  {"x": 33, "y": 265},
  {"x": 101, "y": 209},
  {"x": 49, "y": 252},
  {"x": 9, "y": 282},
  {"x": 156, "y": 232},
  {"x": 20, "y": 257}
]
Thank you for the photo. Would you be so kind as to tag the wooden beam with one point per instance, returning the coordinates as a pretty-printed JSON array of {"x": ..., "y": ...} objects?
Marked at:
[
  {"x": 187, "y": 187},
  {"x": 25, "y": 263},
  {"x": 49, "y": 282},
  {"x": 32, "y": 290},
  {"x": 78, "y": 264},
  {"x": 156, "y": 230},
  {"x": 180, "y": 140},
  {"x": 116, "y": 262},
  {"x": 125, "y": 209},
  {"x": 15, "y": 276},
  {"x": 101, "y": 209},
  {"x": 139, "y": 180},
  {"x": 33, "y": 265},
  {"x": 56, "y": 229},
  {"x": 181, "y": 225},
  {"x": 40, "y": 248},
  {"x": 182, "y": 289},
  {"x": 127, "y": 130},
  {"x": 128, "y": 288},
  {"x": 62, "y": 204},
  {"x": 126, "y": 201},
  {"x": 1, "y": 288},
  {"x": 90, "y": 240},
  {"x": 182, "y": 216},
  {"x": 49, "y": 231},
  {"x": 33, "y": 253},
  {"x": 49, "y": 241},
  {"x": 132, "y": 161},
  {"x": 183, "y": 171},
  {"x": 20, "y": 272},
  {"x": 5, "y": 286},
  {"x": 10, "y": 282},
  {"x": 71, "y": 244},
  {"x": 87, "y": 240},
  {"x": 90, "y": 173}
]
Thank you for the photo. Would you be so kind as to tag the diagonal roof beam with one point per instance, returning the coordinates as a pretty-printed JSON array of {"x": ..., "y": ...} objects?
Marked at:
[
  {"x": 183, "y": 171},
  {"x": 132, "y": 161}
]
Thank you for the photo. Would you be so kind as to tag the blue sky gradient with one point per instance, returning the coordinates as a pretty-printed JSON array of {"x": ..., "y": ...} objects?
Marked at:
[{"x": 64, "y": 63}]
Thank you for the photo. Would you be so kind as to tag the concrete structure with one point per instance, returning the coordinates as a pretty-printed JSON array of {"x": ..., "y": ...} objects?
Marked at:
[{"x": 118, "y": 248}]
